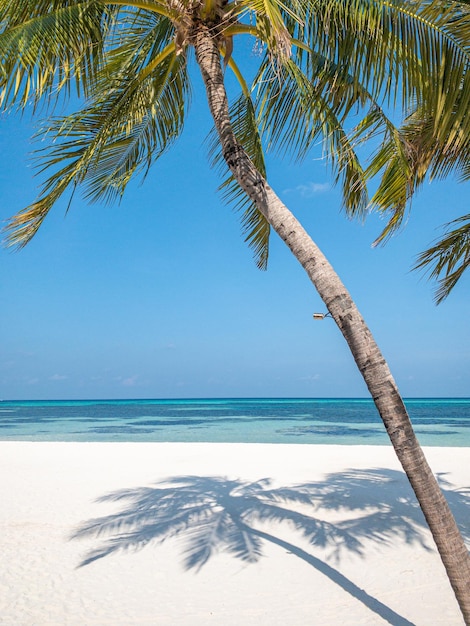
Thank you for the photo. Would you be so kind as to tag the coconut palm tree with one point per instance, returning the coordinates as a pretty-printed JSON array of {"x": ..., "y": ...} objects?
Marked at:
[{"x": 320, "y": 62}]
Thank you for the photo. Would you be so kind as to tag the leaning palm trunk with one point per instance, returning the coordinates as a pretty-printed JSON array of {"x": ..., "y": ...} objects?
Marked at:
[{"x": 339, "y": 303}]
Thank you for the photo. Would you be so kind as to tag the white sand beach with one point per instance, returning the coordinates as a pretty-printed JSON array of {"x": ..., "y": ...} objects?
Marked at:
[{"x": 185, "y": 534}]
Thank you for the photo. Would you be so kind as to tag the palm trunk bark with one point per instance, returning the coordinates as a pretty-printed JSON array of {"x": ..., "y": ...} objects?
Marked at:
[{"x": 339, "y": 303}]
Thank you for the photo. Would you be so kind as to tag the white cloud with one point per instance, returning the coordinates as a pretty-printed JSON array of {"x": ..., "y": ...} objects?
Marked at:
[
  {"x": 309, "y": 189},
  {"x": 129, "y": 382},
  {"x": 310, "y": 378},
  {"x": 58, "y": 377}
]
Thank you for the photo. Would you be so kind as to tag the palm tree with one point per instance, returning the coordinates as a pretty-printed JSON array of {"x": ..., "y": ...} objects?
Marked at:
[{"x": 320, "y": 61}]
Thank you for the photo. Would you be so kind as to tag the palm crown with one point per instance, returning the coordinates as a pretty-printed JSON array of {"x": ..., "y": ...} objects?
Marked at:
[{"x": 321, "y": 63}]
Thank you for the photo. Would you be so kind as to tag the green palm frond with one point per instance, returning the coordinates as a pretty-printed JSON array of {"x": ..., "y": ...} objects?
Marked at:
[
  {"x": 45, "y": 46},
  {"x": 134, "y": 118},
  {"x": 295, "y": 113},
  {"x": 396, "y": 166},
  {"x": 378, "y": 41},
  {"x": 448, "y": 259},
  {"x": 407, "y": 156},
  {"x": 437, "y": 156},
  {"x": 370, "y": 53},
  {"x": 273, "y": 19},
  {"x": 255, "y": 226}
]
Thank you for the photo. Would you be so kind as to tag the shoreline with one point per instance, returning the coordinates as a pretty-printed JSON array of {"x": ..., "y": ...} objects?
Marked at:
[{"x": 198, "y": 533}]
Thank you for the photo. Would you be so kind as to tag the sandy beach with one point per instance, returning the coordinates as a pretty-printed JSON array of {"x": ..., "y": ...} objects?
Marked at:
[{"x": 195, "y": 533}]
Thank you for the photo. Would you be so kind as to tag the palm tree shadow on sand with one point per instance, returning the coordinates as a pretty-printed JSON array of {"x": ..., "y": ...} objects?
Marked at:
[{"x": 216, "y": 514}]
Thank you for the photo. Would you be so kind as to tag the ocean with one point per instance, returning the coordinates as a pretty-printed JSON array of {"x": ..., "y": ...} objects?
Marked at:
[{"x": 437, "y": 422}]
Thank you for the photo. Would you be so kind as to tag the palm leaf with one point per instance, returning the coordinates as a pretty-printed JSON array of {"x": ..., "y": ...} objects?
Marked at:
[
  {"x": 407, "y": 156},
  {"x": 448, "y": 259},
  {"x": 365, "y": 54},
  {"x": 255, "y": 226},
  {"x": 296, "y": 113},
  {"x": 46, "y": 45},
  {"x": 272, "y": 18},
  {"x": 399, "y": 177},
  {"x": 134, "y": 118},
  {"x": 380, "y": 41}
]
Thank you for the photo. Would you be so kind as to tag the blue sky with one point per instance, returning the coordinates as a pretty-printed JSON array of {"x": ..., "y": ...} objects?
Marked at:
[{"x": 158, "y": 296}]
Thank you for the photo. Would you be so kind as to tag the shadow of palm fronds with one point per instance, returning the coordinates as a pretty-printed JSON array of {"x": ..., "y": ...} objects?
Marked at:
[{"x": 215, "y": 514}]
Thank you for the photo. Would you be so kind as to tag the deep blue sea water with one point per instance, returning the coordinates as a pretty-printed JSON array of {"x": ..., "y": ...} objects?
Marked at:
[{"x": 437, "y": 422}]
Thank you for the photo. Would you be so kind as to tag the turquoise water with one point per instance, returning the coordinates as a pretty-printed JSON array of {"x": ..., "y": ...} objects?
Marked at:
[{"x": 437, "y": 422}]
